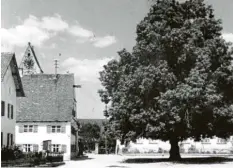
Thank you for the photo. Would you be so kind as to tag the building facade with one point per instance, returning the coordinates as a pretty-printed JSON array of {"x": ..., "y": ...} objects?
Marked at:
[
  {"x": 11, "y": 87},
  {"x": 208, "y": 145},
  {"x": 48, "y": 114}
]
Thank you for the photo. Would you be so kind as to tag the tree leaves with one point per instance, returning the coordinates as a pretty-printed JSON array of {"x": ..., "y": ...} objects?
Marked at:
[{"x": 178, "y": 80}]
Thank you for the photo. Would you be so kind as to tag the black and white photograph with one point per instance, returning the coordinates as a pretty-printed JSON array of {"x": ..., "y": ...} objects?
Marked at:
[{"x": 117, "y": 83}]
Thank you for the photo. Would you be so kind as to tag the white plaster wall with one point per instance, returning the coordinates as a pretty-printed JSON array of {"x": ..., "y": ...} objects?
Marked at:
[
  {"x": 8, "y": 95},
  {"x": 213, "y": 145},
  {"x": 145, "y": 145},
  {"x": 41, "y": 135}
]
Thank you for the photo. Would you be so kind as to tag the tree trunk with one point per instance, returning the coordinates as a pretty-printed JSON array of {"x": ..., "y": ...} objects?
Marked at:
[{"x": 174, "y": 151}]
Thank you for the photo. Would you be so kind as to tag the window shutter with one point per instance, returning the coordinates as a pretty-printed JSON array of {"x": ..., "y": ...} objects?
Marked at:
[
  {"x": 8, "y": 139},
  {"x": 1, "y": 138},
  {"x": 35, "y": 147},
  {"x": 12, "y": 111},
  {"x": 8, "y": 111},
  {"x": 20, "y": 128},
  {"x": 49, "y": 127},
  {"x": 3, "y": 108},
  {"x": 12, "y": 142},
  {"x": 63, "y": 148},
  {"x": 63, "y": 129},
  {"x": 50, "y": 147},
  {"x": 35, "y": 128}
]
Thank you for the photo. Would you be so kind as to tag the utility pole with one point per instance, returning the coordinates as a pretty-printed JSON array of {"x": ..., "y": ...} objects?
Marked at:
[
  {"x": 106, "y": 143},
  {"x": 56, "y": 65}
]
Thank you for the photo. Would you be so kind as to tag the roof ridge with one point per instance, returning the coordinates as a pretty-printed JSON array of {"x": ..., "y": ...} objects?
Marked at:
[{"x": 34, "y": 54}]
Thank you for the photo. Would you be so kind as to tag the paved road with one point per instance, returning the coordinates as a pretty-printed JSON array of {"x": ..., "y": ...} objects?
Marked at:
[{"x": 116, "y": 161}]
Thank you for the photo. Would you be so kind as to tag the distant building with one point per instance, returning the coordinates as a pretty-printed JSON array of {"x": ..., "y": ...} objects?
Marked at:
[
  {"x": 30, "y": 63},
  {"x": 48, "y": 113},
  {"x": 207, "y": 145},
  {"x": 11, "y": 87}
]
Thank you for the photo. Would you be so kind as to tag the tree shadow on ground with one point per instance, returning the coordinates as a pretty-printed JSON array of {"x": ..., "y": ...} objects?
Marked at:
[
  {"x": 201, "y": 160},
  {"x": 82, "y": 158},
  {"x": 118, "y": 166}
]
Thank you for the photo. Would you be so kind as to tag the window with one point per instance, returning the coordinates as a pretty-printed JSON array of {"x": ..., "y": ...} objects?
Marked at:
[
  {"x": 27, "y": 147},
  {"x": 56, "y": 148},
  {"x": 151, "y": 141},
  {"x": 8, "y": 139},
  {"x": 221, "y": 141},
  {"x": 12, "y": 142},
  {"x": 12, "y": 111},
  {"x": 30, "y": 128},
  {"x": 8, "y": 111},
  {"x": 3, "y": 108},
  {"x": 1, "y": 138},
  {"x": 206, "y": 140},
  {"x": 56, "y": 129}
]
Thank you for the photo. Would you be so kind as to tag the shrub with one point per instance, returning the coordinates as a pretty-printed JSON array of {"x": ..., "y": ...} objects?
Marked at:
[
  {"x": 193, "y": 149},
  {"x": 151, "y": 151},
  {"x": 11, "y": 153},
  {"x": 124, "y": 150},
  {"x": 160, "y": 150}
]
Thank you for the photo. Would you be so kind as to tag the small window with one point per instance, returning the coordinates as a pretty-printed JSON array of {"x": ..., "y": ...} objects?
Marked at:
[
  {"x": 27, "y": 148},
  {"x": 25, "y": 128},
  {"x": 56, "y": 129},
  {"x": 221, "y": 141},
  {"x": 151, "y": 141},
  {"x": 56, "y": 148},
  {"x": 206, "y": 140},
  {"x": 30, "y": 128},
  {"x": 3, "y": 108}
]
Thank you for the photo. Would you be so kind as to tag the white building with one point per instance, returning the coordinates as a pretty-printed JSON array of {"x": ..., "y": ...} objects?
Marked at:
[
  {"x": 11, "y": 87},
  {"x": 207, "y": 145},
  {"x": 48, "y": 112}
]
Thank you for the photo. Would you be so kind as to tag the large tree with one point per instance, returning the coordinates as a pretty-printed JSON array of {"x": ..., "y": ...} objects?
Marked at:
[
  {"x": 91, "y": 133},
  {"x": 177, "y": 83}
]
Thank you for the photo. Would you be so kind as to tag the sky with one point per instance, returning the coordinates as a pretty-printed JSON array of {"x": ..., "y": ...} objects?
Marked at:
[{"x": 87, "y": 33}]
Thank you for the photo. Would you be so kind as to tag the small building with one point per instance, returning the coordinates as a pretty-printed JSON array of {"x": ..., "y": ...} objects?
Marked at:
[
  {"x": 47, "y": 113},
  {"x": 11, "y": 87}
]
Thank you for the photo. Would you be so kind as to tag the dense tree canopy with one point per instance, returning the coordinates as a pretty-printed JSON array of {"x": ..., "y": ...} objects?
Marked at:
[
  {"x": 91, "y": 133},
  {"x": 178, "y": 81}
]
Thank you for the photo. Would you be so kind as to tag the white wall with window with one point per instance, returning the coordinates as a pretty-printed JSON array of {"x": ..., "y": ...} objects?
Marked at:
[
  {"x": 144, "y": 145},
  {"x": 30, "y": 136},
  {"x": 8, "y": 104}
]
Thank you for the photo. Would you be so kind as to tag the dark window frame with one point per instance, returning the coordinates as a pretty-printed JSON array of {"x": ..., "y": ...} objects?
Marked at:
[
  {"x": 12, "y": 111},
  {"x": 8, "y": 110},
  {"x": 3, "y": 108}
]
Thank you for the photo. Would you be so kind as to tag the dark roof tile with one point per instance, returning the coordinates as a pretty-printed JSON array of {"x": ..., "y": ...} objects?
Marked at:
[{"x": 47, "y": 98}]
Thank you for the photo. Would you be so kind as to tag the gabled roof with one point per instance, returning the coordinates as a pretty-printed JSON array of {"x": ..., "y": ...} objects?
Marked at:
[
  {"x": 49, "y": 97},
  {"x": 34, "y": 55},
  {"x": 8, "y": 60}
]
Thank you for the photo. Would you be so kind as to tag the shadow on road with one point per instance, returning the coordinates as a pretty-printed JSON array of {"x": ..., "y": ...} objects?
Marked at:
[
  {"x": 117, "y": 166},
  {"x": 204, "y": 160},
  {"x": 82, "y": 158}
]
